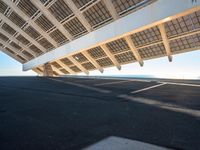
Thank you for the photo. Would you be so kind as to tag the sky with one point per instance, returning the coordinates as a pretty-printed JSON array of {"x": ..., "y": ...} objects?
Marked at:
[
  {"x": 183, "y": 66},
  {"x": 11, "y": 67}
]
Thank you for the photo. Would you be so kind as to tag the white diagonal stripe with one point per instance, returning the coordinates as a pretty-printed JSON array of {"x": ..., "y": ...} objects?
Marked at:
[
  {"x": 148, "y": 88},
  {"x": 82, "y": 86},
  {"x": 168, "y": 106},
  {"x": 124, "y": 81}
]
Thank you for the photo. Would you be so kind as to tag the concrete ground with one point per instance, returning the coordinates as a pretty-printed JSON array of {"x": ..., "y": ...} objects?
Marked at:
[{"x": 75, "y": 113}]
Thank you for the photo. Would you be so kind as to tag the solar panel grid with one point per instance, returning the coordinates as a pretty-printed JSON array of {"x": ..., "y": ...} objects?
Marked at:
[
  {"x": 27, "y": 7},
  {"x": 97, "y": 14},
  {"x": 118, "y": 46},
  {"x": 75, "y": 69},
  {"x": 60, "y": 10},
  {"x": 3, "y": 37},
  {"x": 104, "y": 62},
  {"x": 8, "y": 29},
  {"x": 125, "y": 57},
  {"x": 75, "y": 27},
  {"x": 58, "y": 36},
  {"x": 16, "y": 19},
  {"x": 22, "y": 39},
  {"x": 88, "y": 66},
  {"x": 96, "y": 52}
]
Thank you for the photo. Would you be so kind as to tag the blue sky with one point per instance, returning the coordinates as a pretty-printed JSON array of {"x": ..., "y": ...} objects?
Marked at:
[
  {"x": 184, "y": 66},
  {"x": 11, "y": 67}
]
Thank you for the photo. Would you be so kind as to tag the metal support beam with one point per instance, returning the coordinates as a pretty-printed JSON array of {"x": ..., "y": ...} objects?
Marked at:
[
  {"x": 14, "y": 49},
  {"x": 79, "y": 15},
  {"x": 78, "y": 65},
  {"x": 30, "y": 21},
  {"x": 65, "y": 67},
  {"x": 24, "y": 47},
  {"x": 37, "y": 71},
  {"x": 48, "y": 71},
  {"x": 134, "y": 50},
  {"x": 92, "y": 61},
  {"x": 46, "y": 12},
  {"x": 111, "y": 9},
  {"x": 57, "y": 70},
  {"x": 165, "y": 41},
  {"x": 16, "y": 28},
  {"x": 110, "y": 55}
]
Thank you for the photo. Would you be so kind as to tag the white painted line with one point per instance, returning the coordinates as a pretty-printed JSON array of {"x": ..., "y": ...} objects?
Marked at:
[
  {"x": 148, "y": 88},
  {"x": 183, "y": 84},
  {"x": 82, "y": 86},
  {"x": 116, "y": 82},
  {"x": 120, "y": 143},
  {"x": 108, "y": 83},
  {"x": 163, "y": 105}
]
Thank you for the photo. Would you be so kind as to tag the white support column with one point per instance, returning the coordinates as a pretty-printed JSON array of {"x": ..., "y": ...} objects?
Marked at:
[
  {"x": 110, "y": 55},
  {"x": 78, "y": 65},
  {"x": 79, "y": 15},
  {"x": 46, "y": 12},
  {"x": 13, "y": 49},
  {"x": 165, "y": 41},
  {"x": 134, "y": 50},
  {"x": 92, "y": 61},
  {"x": 24, "y": 47},
  {"x": 16, "y": 28},
  {"x": 29, "y": 21},
  {"x": 111, "y": 9},
  {"x": 65, "y": 67}
]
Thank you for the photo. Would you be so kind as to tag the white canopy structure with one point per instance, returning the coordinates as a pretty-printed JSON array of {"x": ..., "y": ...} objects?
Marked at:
[{"x": 58, "y": 37}]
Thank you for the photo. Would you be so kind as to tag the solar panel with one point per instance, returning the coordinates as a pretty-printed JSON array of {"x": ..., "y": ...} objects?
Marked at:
[
  {"x": 60, "y": 10},
  {"x": 183, "y": 24},
  {"x": 27, "y": 7},
  {"x": 88, "y": 66},
  {"x": 16, "y": 19},
  {"x": 125, "y": 57},
  {"x": 3, "y": 7},
  {"x": 75, "y": 27},
  {"x": 96, "y": 52},
  {"x": 184, "y": 43},
  {"x": 44, "y": 23},
  {"x": 3, "y": 37},
  {"x": 46, "y": 44},
  {"x": 32, "y": 32},
  {"x": 105, "y": 62},
  {"x": 8, "y": 29},
  {"x": 117, "y": 46},
  {"x": 147, "y": 36},
  {"x": 58, "y": 36},
  {"x": 80, "y": 57},
  {"x": 28, "y": 54},
  {"x": 35, "y": 49},
  {"x": 22, "y": 39},
  {"x": 152, "y": 51},
  {"x": 75, "y": 69},
  {"x": 15, "y": 45},
  {"x": 97, "y": 15}
]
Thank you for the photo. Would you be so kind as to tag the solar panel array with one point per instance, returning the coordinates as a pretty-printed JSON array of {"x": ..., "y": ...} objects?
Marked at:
[
  {"x": 95, "y": 12},
  {"x": 182, "y": 37},
  {"x": 25, "y": 39}
]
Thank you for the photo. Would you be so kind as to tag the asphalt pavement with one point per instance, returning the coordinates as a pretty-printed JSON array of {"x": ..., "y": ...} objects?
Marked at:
[{"x": 74, "y": 113}]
